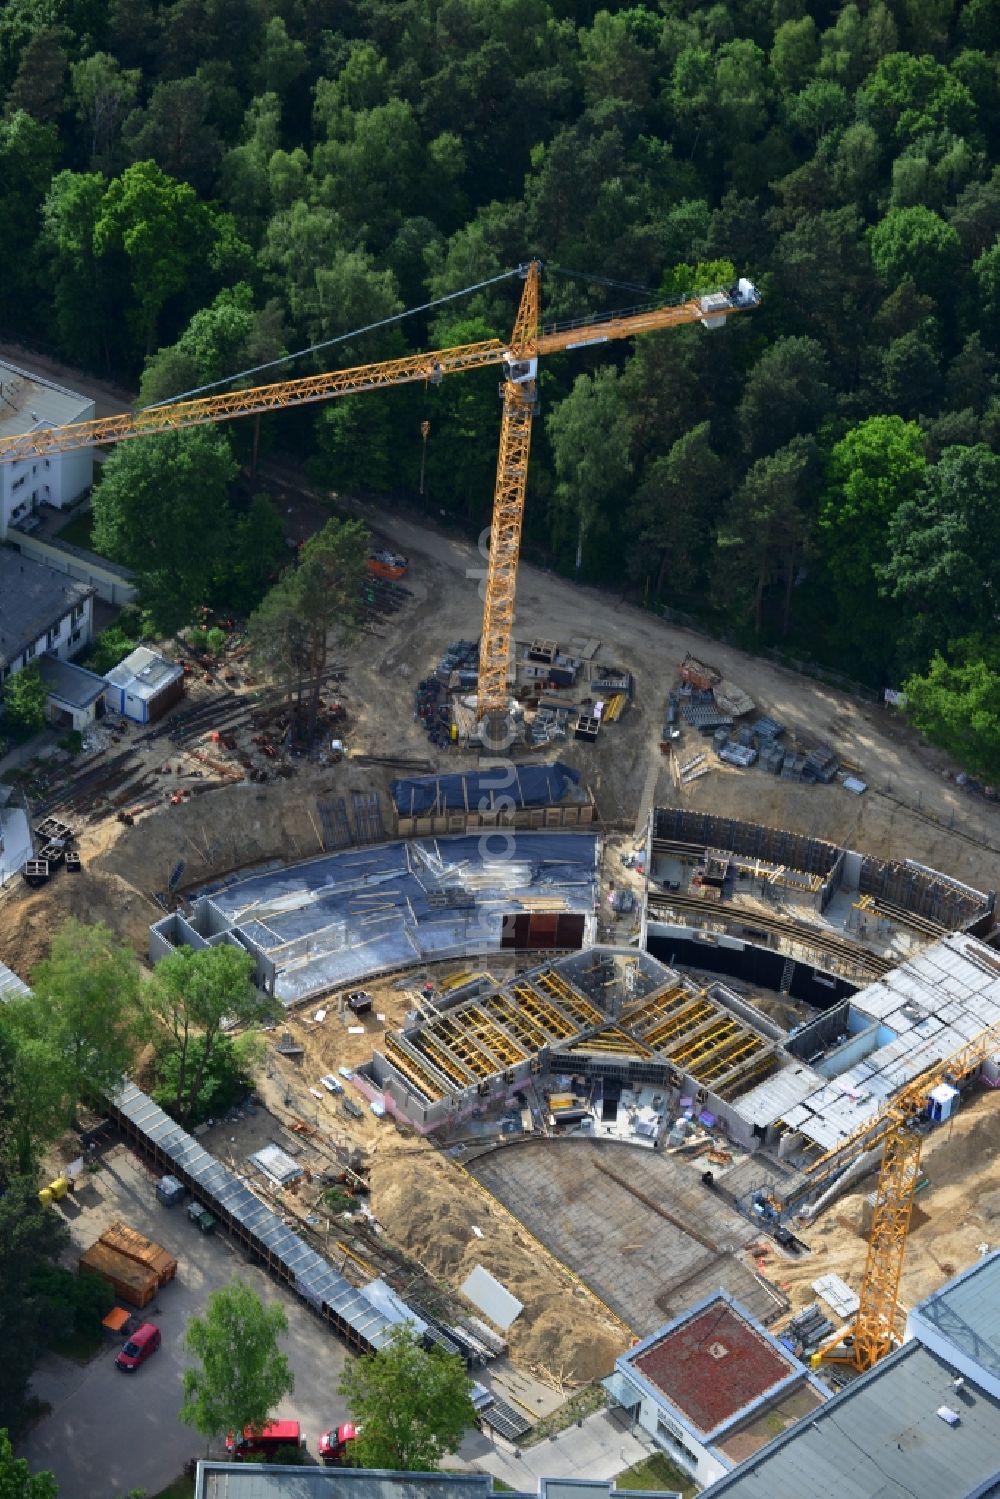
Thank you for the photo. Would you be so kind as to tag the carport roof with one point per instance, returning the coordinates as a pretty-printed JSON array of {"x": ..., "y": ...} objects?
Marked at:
[
  {"x": 313, "y": 1277},
  {"x": 253, "y": 1481}
]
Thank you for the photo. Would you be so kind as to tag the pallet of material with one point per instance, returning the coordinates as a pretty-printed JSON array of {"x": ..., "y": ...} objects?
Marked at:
[
  {"x": 135, "y": 1246},
  {"x": 732, "y": 699},
  {"x": 131, "y": 1281},
  {"x": 698, "y": 675}
]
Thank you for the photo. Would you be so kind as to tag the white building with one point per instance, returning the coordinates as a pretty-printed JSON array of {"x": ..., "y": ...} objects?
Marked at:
[
  {"x": 713, "y": 1387},
  {"x": 28, "y": 402},
  {"x": 41, "y": 611},
  {"x": 144, "y": 685}
]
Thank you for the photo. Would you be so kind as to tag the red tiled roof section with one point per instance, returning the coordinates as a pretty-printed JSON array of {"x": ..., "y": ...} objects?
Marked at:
[{"x": 712, "y": 1366}]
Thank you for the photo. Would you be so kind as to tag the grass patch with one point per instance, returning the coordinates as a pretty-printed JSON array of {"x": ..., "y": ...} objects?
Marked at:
[
  {"x": 78, "y": 532},
  {"x": 657, "y": 1472},
  {"x": 591, "y": 1398},
  {"x": 499, "y": 1486},
  {"x": 181, "y": 1488},
  {"x": 79, "y": 1346}
]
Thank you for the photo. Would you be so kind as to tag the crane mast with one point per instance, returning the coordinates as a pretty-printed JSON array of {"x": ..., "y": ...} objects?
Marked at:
[
  {"x": 519, "y": 395},
  {"x": 520, "y": 360}
]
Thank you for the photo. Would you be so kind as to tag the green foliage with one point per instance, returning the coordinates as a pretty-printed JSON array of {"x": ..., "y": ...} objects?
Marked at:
[
  {"x": 113, "y": 644},
  {"x": 24, "y": 699},
  {"x": 88, "y": 987},
  {"x": 311, "y": 606},
  {"x": 72, "y": 1300},
  {"x": 192, "y": 994},
  {"x": 240, "y": 1373},
  {"x": 413, "y": 1406},
  {"x": 39, "y": 1087},
  {"x": 16, "y": 1481},
  {"x": 30, "y": 1236},
  {"x": 156, "y": 495},
  {"x": 227, "y": 1079},
  {"x": 195, "y": 187},
  {"x": 956, "y": 703}
]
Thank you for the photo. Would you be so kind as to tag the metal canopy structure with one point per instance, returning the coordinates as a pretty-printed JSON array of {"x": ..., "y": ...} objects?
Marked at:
[{"x": 250, "y": 1221}]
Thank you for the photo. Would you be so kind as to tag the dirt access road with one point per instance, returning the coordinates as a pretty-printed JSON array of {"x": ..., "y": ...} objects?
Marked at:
[{"x": 910, "y": 810}]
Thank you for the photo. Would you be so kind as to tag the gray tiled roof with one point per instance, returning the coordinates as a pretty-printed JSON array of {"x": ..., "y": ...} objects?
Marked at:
[
  {"x": 882, "y": 1438},
  {"x": 33, "y": 598},
  {"x": 71, "y": 684},
  {"x": 27, "y": 398}
]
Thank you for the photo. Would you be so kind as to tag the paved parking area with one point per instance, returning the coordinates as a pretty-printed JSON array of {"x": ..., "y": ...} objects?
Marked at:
[{"x": 110, "y": 1432}]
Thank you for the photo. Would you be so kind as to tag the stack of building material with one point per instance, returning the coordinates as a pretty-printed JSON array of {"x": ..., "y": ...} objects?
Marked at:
[
  {"x": 809, "y": 1330},
  {"x": 129, "y": 1280},
  {"x": 135, "y": 1246},
  {"x": 772, "y": 757},
  {"x": 821, "y": 764},
  {"x": 704, "y": 717},
  {"x": 696, "y": 674},
  {"x": 732, "y": 699},
  {"x": 767, "y": 728},
  {"x": 738, "y": 754},
  {"x": 791, "y": 769}
]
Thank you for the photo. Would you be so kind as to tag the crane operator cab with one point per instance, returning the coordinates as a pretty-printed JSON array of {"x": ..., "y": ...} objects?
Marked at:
[
  {"x": 520, "y": 371},
  {"x": 716, "y": 306}
]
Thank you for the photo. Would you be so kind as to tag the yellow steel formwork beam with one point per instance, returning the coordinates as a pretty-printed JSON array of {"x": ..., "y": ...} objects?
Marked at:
[
  {"x": 612, "y": 1041},
  {"x": 494, "y": 1037},
  {"x": 643, "y": 1019},
  {"x": 696, "y": 1013},
  {"x": 691, "y": 1052},
  {"x": 739, "y": 1048},
  {"x": 444, "y": 1058},
  {"x": 528, "y": 1029},
  {"x": 536, "y": 1005},
  {"x": 421, "y": 1079},
  {"x": 576, "y": 1005},
  {"x": 740, "y": 1078}
]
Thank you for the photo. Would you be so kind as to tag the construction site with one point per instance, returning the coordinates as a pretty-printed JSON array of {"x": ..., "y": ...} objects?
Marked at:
[{"x": 565, "y": 1016}]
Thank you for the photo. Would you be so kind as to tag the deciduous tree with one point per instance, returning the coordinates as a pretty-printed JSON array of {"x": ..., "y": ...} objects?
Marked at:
[
  {"x": 241, "y": 1373},
  {"x": 192, "y": 994},
  {"x": 413, "y": 1407},
  {"x": 162, "y": 508}
]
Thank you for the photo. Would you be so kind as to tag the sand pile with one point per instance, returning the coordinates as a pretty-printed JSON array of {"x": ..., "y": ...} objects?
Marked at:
[
  {"x": 28, "y": 918},
  {"x": 429, "y": 1207}
]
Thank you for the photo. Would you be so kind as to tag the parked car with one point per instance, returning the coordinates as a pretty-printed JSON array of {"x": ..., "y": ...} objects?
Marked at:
[
  {"x": 334, "y": 1445},
  {"x": 331, "y": 1084},
  {"x": 274, "y": 1435},
  {"x": 141, "y": 1345}
]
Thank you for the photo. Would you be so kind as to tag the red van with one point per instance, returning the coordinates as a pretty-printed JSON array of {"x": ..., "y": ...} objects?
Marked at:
[
  {"x": 143, "y": 1342},
  {"x": 334, "y": 1445},
  {"x": 274, "y": 1435}
]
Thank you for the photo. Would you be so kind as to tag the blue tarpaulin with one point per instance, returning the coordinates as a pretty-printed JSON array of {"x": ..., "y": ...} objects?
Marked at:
[{"x": 486, "y": 790}]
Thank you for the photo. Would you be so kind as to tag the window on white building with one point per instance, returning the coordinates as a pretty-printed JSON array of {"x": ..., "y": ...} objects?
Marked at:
[
  {"x": 670, "y": 1435},
  {"x": 29, "y": 651},
  {"x": 77, "y": 612}
]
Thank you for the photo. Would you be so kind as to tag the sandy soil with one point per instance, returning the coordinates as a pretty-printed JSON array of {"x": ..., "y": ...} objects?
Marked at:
[
  {"x": 958, "y": 1210},
  {"x": 427, "y": 1205}
]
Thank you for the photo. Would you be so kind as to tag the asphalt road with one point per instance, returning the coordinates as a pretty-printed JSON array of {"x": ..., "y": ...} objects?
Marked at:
[{"x": 110, "y": 1432}]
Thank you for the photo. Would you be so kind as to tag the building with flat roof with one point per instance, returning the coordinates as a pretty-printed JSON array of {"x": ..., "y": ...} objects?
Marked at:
[
  {"x": 27, "y": 402},
  {"x": 712, "y": 1387},
  {"x": 267, "y": 1481},
  {"x": 144, "y": 685},
  {"x": 41, "y": 611},
  {"x": 961, "y": 1323},
  {"x": 912, "y": 1426}
]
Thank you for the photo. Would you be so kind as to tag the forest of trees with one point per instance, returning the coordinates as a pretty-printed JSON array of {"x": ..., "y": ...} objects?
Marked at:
[{"x": 193, "y": 188}]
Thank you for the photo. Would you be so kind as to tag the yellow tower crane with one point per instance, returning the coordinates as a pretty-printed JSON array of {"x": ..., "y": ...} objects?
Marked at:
[
  {"x": 520, "y": 360},
  {"x": 898, "y": 1129}
]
